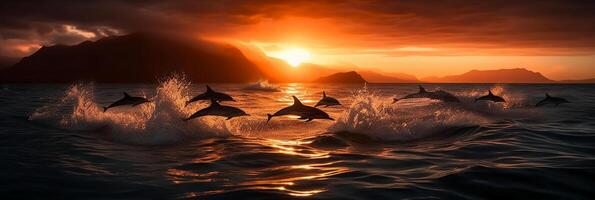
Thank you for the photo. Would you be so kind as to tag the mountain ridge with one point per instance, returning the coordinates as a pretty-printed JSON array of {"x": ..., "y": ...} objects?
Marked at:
[
  {"x": 513, "y": 75},
  {"x": 137, "y": 57},
  {"x": 342, "y": 77}
]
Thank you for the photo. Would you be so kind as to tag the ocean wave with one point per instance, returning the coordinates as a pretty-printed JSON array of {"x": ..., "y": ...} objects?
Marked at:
[
  {"x": 376, "y": 117},
  {"x": 157, "y": 122},
  {"x": 263, "y": 85}
]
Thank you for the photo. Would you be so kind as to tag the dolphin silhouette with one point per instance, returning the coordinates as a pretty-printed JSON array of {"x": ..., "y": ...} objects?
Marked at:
[
  {"x": 423, "y": 93},
  {"x": 307, "y": 113},
  {"x": 216, "y": 109},
  {"x": 551, "y": 100},
  {"x": 127, "y": 100},
  {"x": 327, "y": 101},
  {"x": 211, "y": 94},
  {"x": 490, "y": 97}
]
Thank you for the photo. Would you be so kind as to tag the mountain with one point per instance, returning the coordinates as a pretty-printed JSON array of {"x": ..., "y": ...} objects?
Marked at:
[
  {"x": 374, "y": 77},
  {"x": 516, "y": 75},
  {"x": 342, "y": 77},
  {"x": 578, "y": 81},
  {"x": 139, "y": 57}
]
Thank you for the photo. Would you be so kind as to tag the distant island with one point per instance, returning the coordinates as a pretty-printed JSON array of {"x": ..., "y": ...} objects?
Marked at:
[
  {"x": 516, "y": 75},
  {"x": 342, "y": 77}
]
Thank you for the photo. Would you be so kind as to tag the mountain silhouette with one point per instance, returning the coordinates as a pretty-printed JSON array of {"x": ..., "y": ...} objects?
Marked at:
[
  {"x": 342, "y": 77},
  {"x": 138, "y": 57},
  {"x": 516, "y": 75}
]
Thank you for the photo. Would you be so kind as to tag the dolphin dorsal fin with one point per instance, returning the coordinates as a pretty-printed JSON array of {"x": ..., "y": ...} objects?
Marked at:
[
  {"x": 296, "y": 101},
  {"x": 547, "y": 95},
  {"x": 421, "y": 89},
  {"x": 490, "y": 93},
  {"x": 126, "y": 94},
  {"x": 323, "y": 94},
  {"x": 209, "y": 89}
]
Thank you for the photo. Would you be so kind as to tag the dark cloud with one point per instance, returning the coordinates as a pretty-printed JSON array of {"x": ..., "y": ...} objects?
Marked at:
[{"x": 536, "y": 24}]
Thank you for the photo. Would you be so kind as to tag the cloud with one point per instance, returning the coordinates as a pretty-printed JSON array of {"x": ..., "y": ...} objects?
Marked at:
[{"x": 544, "y": 27}]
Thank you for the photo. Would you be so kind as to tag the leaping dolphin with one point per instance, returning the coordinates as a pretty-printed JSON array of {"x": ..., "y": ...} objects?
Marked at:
[
  {"x": 211, "y": 94},
  {"x": 127, "y": 100},
  {"x": 307, "y": 113},
  {"x": 438, "y": 95},
  {"x": 327, "y": 101},
  {"x": 551, "y": 100},
  {"x": 216, "y": 109},
  {"x": 490, "y": 97}
]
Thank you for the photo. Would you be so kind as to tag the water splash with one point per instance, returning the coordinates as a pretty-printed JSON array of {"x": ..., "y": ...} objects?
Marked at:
[
  {"x": 263, "y": 85},
  {"x": 375, "y": 116},
  {"x": 157, "y": 122}
]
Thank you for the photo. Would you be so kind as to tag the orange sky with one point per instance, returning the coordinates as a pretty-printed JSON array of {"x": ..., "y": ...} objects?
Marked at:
[{"x": 421, "y": 38}]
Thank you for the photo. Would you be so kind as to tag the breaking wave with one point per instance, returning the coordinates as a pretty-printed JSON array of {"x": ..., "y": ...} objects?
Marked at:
[
  {"x": 157, "y": 122},
  {"x": 376, "y": 117},
  {"x": 263, "y": 85}
]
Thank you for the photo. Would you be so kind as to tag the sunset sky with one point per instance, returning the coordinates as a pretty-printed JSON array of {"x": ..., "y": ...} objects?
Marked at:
[{"x": 422, "y": 38}]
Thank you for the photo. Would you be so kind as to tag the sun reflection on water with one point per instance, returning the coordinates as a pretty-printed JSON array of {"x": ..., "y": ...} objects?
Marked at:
[{"x": 293, "y": 183}]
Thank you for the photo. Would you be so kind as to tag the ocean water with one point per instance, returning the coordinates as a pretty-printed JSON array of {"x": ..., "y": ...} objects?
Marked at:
[{"x": 56, "y": 143}]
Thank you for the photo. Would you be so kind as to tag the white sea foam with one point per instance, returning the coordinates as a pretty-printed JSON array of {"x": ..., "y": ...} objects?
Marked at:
[
  {"x": 263, "y": 85},
  {"x": 378, "y": 118},
  {"x": 157, "y": 122}
]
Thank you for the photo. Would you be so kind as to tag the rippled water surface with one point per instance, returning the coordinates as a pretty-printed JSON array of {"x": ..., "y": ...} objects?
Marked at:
[{"x": 55, "y": 142}]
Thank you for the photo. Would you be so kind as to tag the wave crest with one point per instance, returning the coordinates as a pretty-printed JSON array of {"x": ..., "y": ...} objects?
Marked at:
[
  {"x": 377, "y": 118},
  {"x": 157, "y": 122}
]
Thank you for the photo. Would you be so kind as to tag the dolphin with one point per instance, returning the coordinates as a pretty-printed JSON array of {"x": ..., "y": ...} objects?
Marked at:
[
  {"x": 327, "y": 101},
  {"x": 127, "y": 100},
  {"x": 490, "y": 97},
  {"x": 216, "y": 109},
  {"x": 307, "y": 113},
  {"x": 551, "y": 100},
  {"x": 438, "y": 95},
  {"x": 211, "y": 94}
]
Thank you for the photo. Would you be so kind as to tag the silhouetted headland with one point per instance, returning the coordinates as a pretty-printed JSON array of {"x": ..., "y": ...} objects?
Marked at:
[
  {"x": 138, "y": 57},
  {"x": 343, "y": 77}
]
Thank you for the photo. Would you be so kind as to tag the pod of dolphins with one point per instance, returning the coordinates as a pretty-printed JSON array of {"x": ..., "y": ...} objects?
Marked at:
[{"x": 307, "y": 113}]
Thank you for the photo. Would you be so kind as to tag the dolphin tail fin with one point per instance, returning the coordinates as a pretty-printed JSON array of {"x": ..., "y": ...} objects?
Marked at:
[
  {"x": 323, "y": 94},
  {"x": 126, "y": 94},
  {"x": 269, "y": 117},
  {"x": 421, "y": 89},
  {"x": 296, "y": 101},
  {"x": 105, "y": 109}
]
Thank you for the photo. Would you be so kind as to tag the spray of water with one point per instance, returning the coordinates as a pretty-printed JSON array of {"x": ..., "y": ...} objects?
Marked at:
[
  {"x": 157, "y": 122},
  {"x": 378, "y": 118}
]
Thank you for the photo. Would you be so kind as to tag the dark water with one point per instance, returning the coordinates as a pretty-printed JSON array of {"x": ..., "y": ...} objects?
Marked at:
[{"x": 55, "y": 143}]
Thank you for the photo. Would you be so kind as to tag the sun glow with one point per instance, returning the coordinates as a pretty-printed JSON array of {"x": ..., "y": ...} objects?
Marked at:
[{"x": 293, "y": 56}]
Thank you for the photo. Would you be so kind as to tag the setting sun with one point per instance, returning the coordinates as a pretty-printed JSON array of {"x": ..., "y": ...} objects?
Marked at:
[{"x": 293, "y": 56}]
